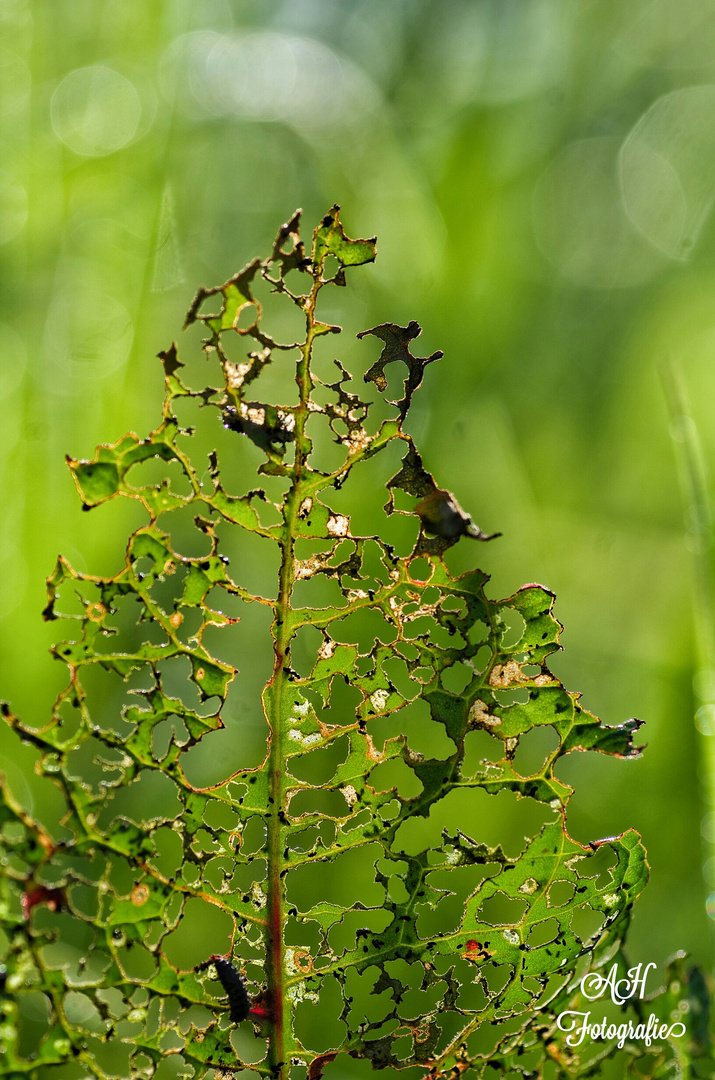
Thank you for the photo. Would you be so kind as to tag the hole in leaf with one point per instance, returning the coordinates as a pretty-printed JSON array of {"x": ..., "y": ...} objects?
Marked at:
[
  {"x": 204, "y": 930},
  {"x": 83, "y": 1014},
  {"x": 169, "y": 851},
  {"x": 585, "y": 922},
  {"x": 151, "y": 797},
  {"x": 420, "y": 570},
  {"x": 248, "y": 1046},
  {"x": 345, "y": 880},
  {"x": 396, "y": 773},
  {"x": 247, "y": 316},
  {"x": 96, "y": 765},
  {"x": 318, "y": 1024},
  {"x": 598, "y": 865},
  {"x": 514, "y": 627},
  {"x": 543, "y": 933},
  {"x": 344, "y": 700},
  {"x": 480, "y": 747},
  {"x": 342, "y": 935},
  {"x": 253, "y": 837},
  {"x": 501, "y": 909},
  {"x": 319, "y": 766},
  {"x": 363, "y": 628},
  {"x": 164, "y": 733},
  {"x": 497, "y": 976},
  {"x": 136, "y": 962},
  {"x": 34, "y": 1012},
  {"x": 397, "y": 672},
  {"x": 457, "y": 678},
  {"x": 496, "y": 819},
  {"x": 304, "y": 649},
  {"x": 447, "y": 915},
  {"x": 157, "y": 472},
  {"x": 517, "y": 695},
  {"x": 535, "y": 747},
  {"x": 560, "y": 893},
  {"x": 482, "y": 659},
  {"x": 318, "y": 801}
]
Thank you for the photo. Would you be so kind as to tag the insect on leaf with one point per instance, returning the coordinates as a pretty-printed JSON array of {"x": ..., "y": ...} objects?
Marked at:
[{"x": 365, "y": 888}]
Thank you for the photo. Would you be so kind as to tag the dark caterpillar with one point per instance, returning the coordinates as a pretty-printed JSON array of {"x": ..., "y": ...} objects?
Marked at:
[{"x": 232, "y": 981}]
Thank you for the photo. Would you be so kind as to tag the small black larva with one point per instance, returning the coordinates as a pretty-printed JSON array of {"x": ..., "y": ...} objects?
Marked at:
[{"x": 233, "y": 983}]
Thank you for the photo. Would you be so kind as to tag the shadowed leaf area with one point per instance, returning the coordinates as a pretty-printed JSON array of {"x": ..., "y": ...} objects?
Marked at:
[{"x": 389, "y": 877}]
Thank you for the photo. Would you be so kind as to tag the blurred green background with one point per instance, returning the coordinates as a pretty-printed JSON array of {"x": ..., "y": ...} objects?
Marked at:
[{"x": 540, "y": 176}]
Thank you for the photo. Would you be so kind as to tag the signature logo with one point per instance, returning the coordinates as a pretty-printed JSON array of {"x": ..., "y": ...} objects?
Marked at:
[{"x": 579, "y": 1027}]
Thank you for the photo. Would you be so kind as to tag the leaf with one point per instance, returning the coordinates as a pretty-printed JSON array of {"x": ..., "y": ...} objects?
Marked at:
[
  {"x": 330, "y": 239},
  {"x": 396, "y": 348},
  {"x": 350, "y": 869}
]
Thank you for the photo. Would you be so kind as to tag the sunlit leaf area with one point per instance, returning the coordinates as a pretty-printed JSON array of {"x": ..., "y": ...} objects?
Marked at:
[{"x": 540, "y": 178}]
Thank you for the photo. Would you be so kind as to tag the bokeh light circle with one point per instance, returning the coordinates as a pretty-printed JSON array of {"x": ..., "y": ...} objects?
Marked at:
[
  {"x": 665, "y": 169},
  {"x": 705, "y": 719},
  {"x": 580, "y": 224},
  {"x": 95, "y": 111},
  {"x": 88, "y": 341},
  {"x": 268, "y": 77}
]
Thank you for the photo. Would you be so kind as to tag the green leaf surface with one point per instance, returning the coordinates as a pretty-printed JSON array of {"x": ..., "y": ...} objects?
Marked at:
[{"x": 349, "y": 868}]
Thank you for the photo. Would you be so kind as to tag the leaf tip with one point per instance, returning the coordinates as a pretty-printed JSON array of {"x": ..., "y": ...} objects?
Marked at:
[{"x": 170, "y": 359}]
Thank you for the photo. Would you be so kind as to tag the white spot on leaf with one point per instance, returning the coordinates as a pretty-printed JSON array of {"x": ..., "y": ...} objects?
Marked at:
[
  {"x": 338, "y": 525},
  {"x": 349, "y": 794},
  {"x": 480, "y": 714},
  {"x": 379, "y": 699},
  {"x": 503, "y": 675},
  {"x": 326, "y": 650}
]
